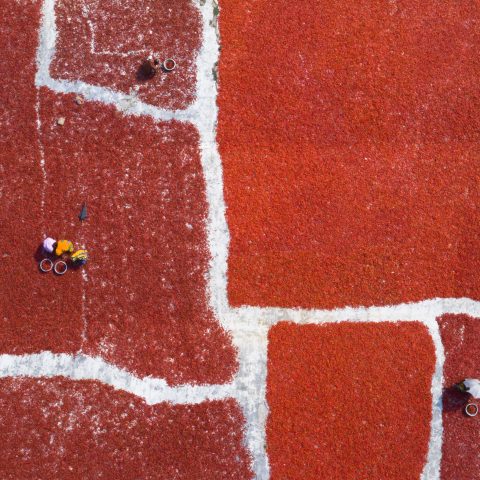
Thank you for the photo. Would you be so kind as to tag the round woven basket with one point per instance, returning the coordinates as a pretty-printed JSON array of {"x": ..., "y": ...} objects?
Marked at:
[
  {"x": 169, "y": 64},
  {"x": 60, "y": 267},
  {"x": 471, "y": 409},
  {"x": 46, "y": 265}
]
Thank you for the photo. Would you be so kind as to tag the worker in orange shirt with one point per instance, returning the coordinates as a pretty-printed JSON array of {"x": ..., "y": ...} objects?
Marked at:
[{"x": 63, "y": 246}]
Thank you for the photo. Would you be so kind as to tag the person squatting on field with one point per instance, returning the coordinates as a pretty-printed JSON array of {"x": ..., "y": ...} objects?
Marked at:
[
  {"x": 49, "y": 245},
  {"x": 470, "y": 386},
  {"x": 79, "y": 257},
  {"x": 62, "y": 247}
]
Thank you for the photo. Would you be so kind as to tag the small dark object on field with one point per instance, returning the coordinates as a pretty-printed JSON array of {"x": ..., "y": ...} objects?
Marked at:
[
  {"x": 148, "y": 69},
  {"x": 83, "y": 213}
]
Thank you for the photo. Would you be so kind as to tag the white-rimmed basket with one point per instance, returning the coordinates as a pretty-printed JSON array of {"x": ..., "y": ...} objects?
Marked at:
[
  {"x": 60, "y": 267},
  {"x": 46, "y": 265},
  {"x": 474, "y": 408},
  {"x": 169, "y": 64}
]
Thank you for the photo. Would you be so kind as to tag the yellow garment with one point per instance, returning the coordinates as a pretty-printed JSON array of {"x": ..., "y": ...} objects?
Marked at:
[
  {"x": 80, "y": 256},
  {"x": 63, "y": 246}
]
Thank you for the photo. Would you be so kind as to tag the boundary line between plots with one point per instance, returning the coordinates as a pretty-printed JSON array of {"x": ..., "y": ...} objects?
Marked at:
[{"x": 84, "y": 367}]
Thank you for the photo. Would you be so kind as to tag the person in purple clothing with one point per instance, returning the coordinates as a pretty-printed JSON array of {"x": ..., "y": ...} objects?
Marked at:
[{"x": 49, "y": 245}]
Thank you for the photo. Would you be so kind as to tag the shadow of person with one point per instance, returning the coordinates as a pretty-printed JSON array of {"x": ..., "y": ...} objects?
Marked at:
[
  {"x": 454, "y": 399},
  {"x": 75, "y": 265},
  {"x": 40, "y": 254},
  {"x": 147, "y": 70}
]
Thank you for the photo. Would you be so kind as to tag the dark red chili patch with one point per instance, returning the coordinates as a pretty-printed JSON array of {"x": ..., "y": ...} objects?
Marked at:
[
  {"x": 106, "y": 43},
  {"x": 38, "y": 311},
  {"x": 146, "y": 307},
  {"x": 60, "y": 429}
]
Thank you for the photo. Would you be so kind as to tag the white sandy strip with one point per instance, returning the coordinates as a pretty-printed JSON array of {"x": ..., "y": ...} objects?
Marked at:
[
  {"x": 82, "y": 367},
  {"x": 250, "y": 340},
  {"x": 248, "y": 325},
  {"x": 41, "y": 153},
  {"x": 431, "y": 471},
  {"x": 390, "y": 313}
]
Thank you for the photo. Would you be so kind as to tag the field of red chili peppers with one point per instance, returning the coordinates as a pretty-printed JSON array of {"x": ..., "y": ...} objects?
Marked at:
[
  {"x": 75, "y": 430},
  {"x": 141, "y": 301},
  {"x": 349, "y": 400},
  {"x": 351, "y": 166},
  {"x": 347, "y": 135}
]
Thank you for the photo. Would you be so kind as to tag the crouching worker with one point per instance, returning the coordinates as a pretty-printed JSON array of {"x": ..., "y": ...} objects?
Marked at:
[
  {"x": 49, "y": 245},
  {"x": 470, "y": 386},
  {"x": 80, "y": 257},
  {"x": 63, "y": 246}
]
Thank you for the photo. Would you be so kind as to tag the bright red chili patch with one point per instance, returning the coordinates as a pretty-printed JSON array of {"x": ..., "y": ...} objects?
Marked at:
[
  {"x": 349, "y": 401},
  {"x": 349, "y": 133},
  {"x": 461, "y": 434},
  {"x": 60, "y": 429}
]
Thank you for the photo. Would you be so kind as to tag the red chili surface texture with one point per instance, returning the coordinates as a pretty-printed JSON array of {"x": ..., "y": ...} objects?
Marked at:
[
  {"x": 349, "y": 401},
  {"x": 60, "y": 429},
  {"x": 461, "y": 434},
  {"x": 105, "y": 43},
  {"x": 349, "y": 133},
  {"x": 36, "y": 310},
  {"x": 145, "y": 302}
]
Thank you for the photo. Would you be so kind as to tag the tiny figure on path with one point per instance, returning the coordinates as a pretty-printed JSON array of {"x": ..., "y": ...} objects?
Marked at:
[
  {"x": 49, "y": 245},
  {"x": 470, "y": 386}
]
